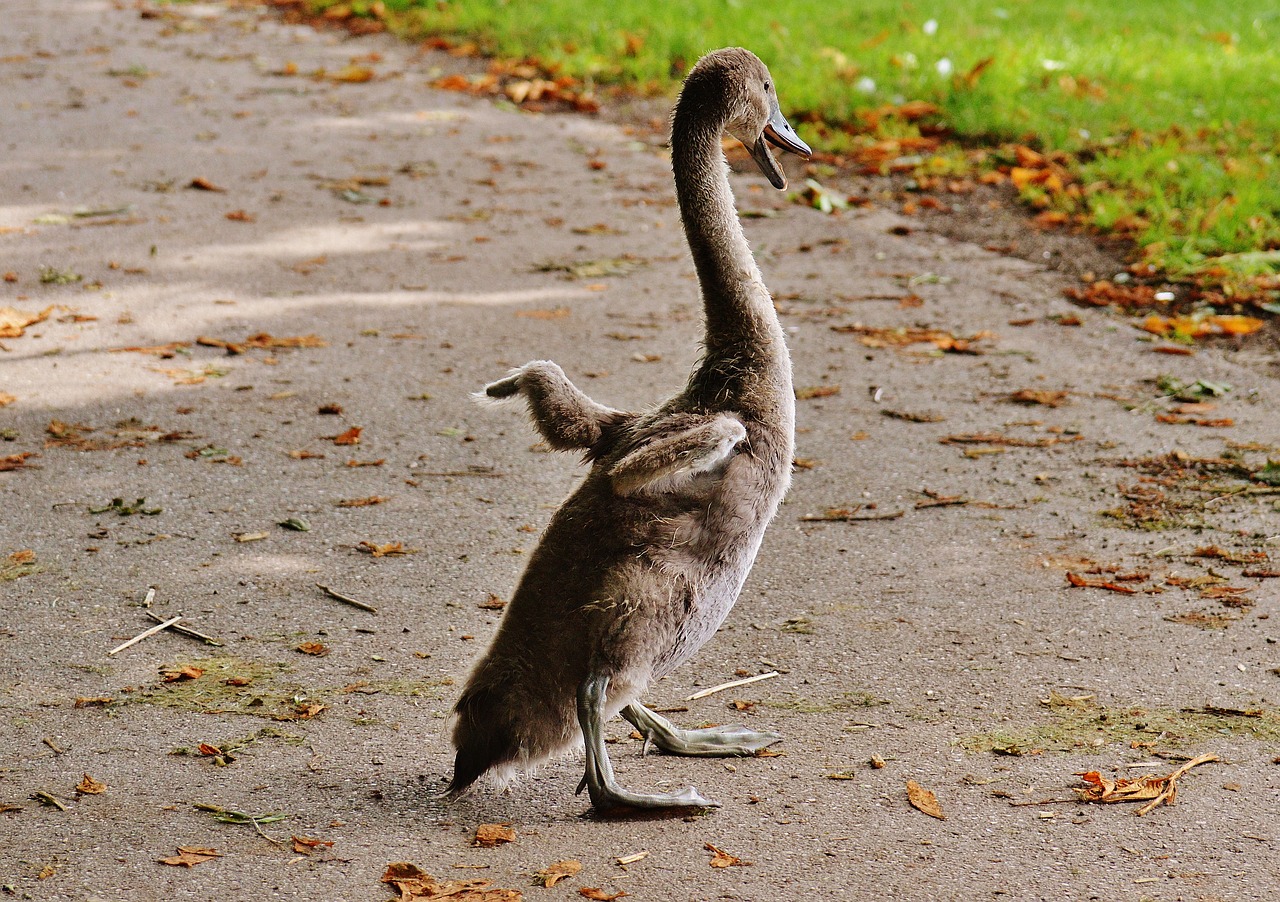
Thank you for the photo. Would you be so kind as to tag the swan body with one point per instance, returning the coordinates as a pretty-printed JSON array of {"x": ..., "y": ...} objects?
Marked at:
[{"x": 641, "y": 565}]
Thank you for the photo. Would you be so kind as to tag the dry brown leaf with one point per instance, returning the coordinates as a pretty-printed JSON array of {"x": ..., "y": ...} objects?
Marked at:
[
  {"x": 1040, "y": 396},
  {"x": 816, "y": 391},
  {"x": 200, "y": 183},
  {"x": 1153, "y": 790},
  {"x": 162, "y": 351},
  {"x": 874, "y": 337},
  {"x": 722, "y": 859},
  {"x": 317, "y": 649},
  {"x": 561, "y": 870},
  {"x": 6, "y": 399},
  {"x": 11, "y": 462},
  {"x": 363, "y": 502},
  {"x": 352, "y": 74},
  {"x": 190, "y": 856},
  {"x": 13, "y": 322},
  {"x": 305, "y": 845},
  {"x": 599, "y": 895},
  {"x": 493, "y": 603},
  {"x": 391, "y": 548},
  {"x": 922, "y": 799},
  {"x": 180, "y": 673},
  {"x": 89, "y": 786},
  {"x": 365, "y": 463},
  {"x": 995, "y": 438},
  {"x": 1082, "y": 582},
  {"x": 490, "y": 835},
  {"x": 265, "y": 340},
  {"x": 241, "y": 216},
  {"x": 305, "y": 455},
  {"x": 350, "y": 437},
  {"x": 100, "y": 701}
]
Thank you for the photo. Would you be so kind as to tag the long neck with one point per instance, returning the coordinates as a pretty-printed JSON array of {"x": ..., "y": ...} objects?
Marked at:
[{"x": 743, "y": 337}]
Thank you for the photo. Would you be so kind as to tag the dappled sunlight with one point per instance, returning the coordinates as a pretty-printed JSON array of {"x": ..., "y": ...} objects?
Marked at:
[
  {"x": 313, "y": 240},
  {"x": 380, "y": 120},
  {"x": 19, "y": 216}
]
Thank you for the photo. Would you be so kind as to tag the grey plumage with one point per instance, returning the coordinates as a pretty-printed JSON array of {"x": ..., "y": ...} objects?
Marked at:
[{"x": 640, "y": 566}]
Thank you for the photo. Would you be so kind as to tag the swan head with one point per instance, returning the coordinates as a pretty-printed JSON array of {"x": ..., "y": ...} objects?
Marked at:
[{"x": 743, "y": 85}]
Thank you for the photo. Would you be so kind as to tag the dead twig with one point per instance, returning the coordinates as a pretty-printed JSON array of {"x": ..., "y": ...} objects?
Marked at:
[
  {"x": 346, "y": 599},
  {"x": 732, "y": 685},
  {"x": 185, "y": 630},
  {"x": 165, "y": 624}
]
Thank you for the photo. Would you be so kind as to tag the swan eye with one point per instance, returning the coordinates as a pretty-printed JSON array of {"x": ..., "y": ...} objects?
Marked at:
[{"x": 766, "y": 86}]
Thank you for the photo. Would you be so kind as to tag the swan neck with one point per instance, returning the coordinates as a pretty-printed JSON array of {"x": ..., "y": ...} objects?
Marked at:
[{"x": 740, "y": 317}]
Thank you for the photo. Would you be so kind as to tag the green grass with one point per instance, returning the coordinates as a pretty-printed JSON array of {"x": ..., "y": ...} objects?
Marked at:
[{"x": 1169, "y": 109}]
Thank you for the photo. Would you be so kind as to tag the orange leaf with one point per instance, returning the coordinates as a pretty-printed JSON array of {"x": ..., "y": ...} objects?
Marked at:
[
  {"x": 922, "y": 799},
  {"x": 490, "y": 835},
  {"x": 190, "y": 856},
  {"x": 599, "y": 895},
  {"x": 90, "y": 786},
  {"x": 561, "y": 870},
  {"x": 350, "y": 437}
]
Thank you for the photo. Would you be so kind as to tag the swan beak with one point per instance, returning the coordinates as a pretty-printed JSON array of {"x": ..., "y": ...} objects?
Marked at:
[{"x": 779, "y": 133}]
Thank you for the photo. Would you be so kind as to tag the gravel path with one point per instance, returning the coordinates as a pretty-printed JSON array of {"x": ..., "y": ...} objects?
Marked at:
[{"x": 373, "y": 251}]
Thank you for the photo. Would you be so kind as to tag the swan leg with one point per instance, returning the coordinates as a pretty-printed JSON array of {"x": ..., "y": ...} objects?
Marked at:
[
  {"x": 566, "y": 417},
  {"x": 728, "y": 741},
  {"x": 599, "y": 781}
]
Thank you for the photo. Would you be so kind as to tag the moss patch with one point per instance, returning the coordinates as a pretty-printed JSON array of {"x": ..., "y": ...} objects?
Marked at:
[
  {"x": 1076, "y": 728},
  {"x": 231, "y": 685}
]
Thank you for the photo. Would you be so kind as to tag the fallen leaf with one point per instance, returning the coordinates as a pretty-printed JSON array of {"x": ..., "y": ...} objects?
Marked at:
[
  {"x": 13, "y": 322},
  {"x": 363, "y": 502},
  {"x": 1201, "y": 326},
  {"x": 722, "y": 859},
  {"x": 366, "y": 463},
  {"x": 6, "y": 399},
  {"x": 550, "y": 876},
  {"x": 305, "y": 455},
  {"x": 490, "y": 835},
  {"x": 492, "y": 603},
  {"x": 190, "y": 856},
  {"x": 249, "y": 536},
  {"x": 1151, "y": 789},
  {"x": 1086, "y": 582},
  {"x": 203, "y": 184},
  {"x": 816, "y": 391},
  {"x": 96, "y": 702},
  {"x": 241, "y": 216},
  {"x": 922, "y": 799},
  {"x": 317, "y": 649},
  {"x": 1040, "y": 396},
  {"x": 350, "y": 437},
  {"x": 11, "y": 462},
  {"x": 352, "y": 74},
  {"x": 874, "y": 337},
  {"x": 177, "y": 674},
  {"x": 305, "y": 845},
  {"x": 89, "y": 786},
  {"x": 391, "y": 548},
  {"x": 599, "y": 895},
  {"x": 995, "y": 438}
]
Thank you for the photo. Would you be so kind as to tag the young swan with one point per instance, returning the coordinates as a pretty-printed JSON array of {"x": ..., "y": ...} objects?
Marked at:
[{"x": 642, "y": 563}]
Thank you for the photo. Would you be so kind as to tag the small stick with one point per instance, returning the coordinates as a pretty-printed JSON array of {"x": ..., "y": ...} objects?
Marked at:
[
  {"x": 185, "y": 630},
  {"x": 48, "y": 799},
  {"x": 347, "y": 599},
  {"x": 731, "y": 685},
  {"x": 147, "y": 633},
  {"x": 49, "y": 742}
]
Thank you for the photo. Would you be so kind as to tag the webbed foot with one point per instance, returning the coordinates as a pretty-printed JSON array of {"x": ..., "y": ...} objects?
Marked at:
[
  {"x": 606, "y": 794},
  {"x": 728, "y": 741}
]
